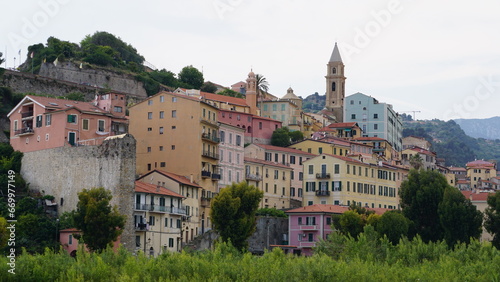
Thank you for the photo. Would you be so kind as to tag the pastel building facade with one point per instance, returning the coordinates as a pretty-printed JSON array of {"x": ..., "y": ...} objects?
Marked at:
[
  {"x": 231, "y": 154},
  {"x": 480, "y": 171},
  {"x": 376, "y": 119},
  {"x": 340, "y": 180},
  {"x": 39, "y": 123}
]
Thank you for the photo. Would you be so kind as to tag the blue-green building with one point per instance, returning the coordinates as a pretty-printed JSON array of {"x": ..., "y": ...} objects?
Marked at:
[{"x": 374, "y": 118}]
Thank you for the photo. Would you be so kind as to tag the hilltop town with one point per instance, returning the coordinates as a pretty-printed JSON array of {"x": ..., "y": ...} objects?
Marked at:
[{"x": 166, "y": 155}]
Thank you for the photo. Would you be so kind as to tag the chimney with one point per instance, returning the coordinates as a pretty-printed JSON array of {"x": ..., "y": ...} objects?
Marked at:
[
  {"x": 158, "y": 188},
  {"x": 191, "y": 178}
]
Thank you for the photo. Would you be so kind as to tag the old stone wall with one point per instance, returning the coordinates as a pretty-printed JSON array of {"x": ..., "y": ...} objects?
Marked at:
[
  {"x": 63, "y": 172},
  {"x": 68, "y": 71}
]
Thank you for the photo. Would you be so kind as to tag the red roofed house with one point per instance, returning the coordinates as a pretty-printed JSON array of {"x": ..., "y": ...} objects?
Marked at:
[
  {"x": 478, "y": 199},
  {"x": 309, "y": 224},
  {"x": 428, "y": 157},
  {"x": 480, "y": 173},
  {"x": 70, "y": 244},
  {"x": 185, "y": 220},
  {"x": 39, "y": 123},
  {"x": 346, "y": 130}
]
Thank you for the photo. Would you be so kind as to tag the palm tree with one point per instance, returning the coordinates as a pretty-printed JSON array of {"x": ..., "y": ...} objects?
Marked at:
[
  {"x": 416, "y": 161},
  {"x": 262, "y": 86}
]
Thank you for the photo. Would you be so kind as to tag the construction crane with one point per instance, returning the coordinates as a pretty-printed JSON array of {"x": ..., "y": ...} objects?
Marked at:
[{"x": 413, "y": 116}]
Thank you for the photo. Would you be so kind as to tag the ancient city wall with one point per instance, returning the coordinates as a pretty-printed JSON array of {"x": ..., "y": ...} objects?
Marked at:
[{"x": 63, "y": 172}]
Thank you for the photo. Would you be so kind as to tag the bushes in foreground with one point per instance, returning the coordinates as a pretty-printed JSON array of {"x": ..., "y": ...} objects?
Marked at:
[{"x": 409, "y": 260}]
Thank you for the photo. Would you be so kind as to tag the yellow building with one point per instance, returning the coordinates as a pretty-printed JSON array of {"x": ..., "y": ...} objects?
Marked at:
[
  {"x": 380, "y": 147},
  {"x": 158, "y": 216},
  {"x": 179, "y": 134},
  {"x": 479, "y": 171},
  {"x": 333, "y": 146},
  {"x": 194, "y": 197},
  {"x": 340, "y": 180},
  {"x": 271, "y": 178}
]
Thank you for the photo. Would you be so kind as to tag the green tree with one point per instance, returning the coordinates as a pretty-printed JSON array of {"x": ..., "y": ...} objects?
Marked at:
[
  {"x": 262, "y": 87},
  {"x": 296, "y": 135},
  {"x": 191, "y": 76},
  {"x": 208, "y": 87},
  {"x": 492, "y": 218},
  {"x": 233, "y": 213},
  {"x": 420, "y": 196},
  {"x": 270, "y": 212},
  {"x": 4, "y": 233},
  {"x": 281, "y": 137},
  {"x": 231, "y": 93},
  {"x": 1, "y": 58},
  {"x": 100, "y": 223},
  {"x": 394, "y": 225},
  {"x": 416, "y": 161},
  {"x": 35, "y": 232},
  {"x": 459, "y": 217},
  {"x": 351, "y": 223}
]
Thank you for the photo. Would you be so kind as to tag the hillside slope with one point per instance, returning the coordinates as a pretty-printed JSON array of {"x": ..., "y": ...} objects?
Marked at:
[{"x": 481, "y": 128}]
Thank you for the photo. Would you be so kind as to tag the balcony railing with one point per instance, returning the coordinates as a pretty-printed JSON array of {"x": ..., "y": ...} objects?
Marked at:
[
  {"x": 24, "y": 131},
  {"x": 205, "y": 174},
  {"x": 254, "y": 177},
  {"x": 27, "y": 114},
  {"x": 322, "y": 175},
  {"x": 307, "y": 244},
  {"x": 210, "y": 137},
  {"x": 215, "y": 176},
  {"x": 205, "y": 202},
  {"x": 308, "y": 227},
  {"x": 212, "y": 155},
  {"x": 158, "y": 208},
  {"x": 141, "y": 227},
  {"x": 378, "y": 149},
  {"x": 322, "y": 193}
]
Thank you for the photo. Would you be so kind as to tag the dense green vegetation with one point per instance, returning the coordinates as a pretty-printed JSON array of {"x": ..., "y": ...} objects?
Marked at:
[
  {"x": 451, "y": 143},
  {"x": 313, "y": 103},
  {"x": 105, "y": 50},
  {"x": 283, "y": 137},
  {"x": 366, "y": 259}
]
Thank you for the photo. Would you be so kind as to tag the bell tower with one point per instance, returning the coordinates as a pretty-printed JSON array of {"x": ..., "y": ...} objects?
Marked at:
[
  {"x": 335, "y": 85},
  {"x": 251, "y": 93}
]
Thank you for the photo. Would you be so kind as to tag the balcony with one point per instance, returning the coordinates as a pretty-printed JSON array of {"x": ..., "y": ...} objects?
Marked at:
[
  {"x": 205, "y": 202},
  {"x": 141, "y": 227},
  {"x": 24, "y": 131},
  {"x": 254, "y": 177},
  {"x": 210, "y": 138},
  {"x": 160, "y": 209},
  {"x": 205, "y": 174},
  {"x": 306, "y": 244},
  {"x": 309, "y": 227},
  {"x": 322, "y": 193},
  {"x": 378, "y": 149},
  {"x": 26, "y": 115},
  {"x": 323, "y": 175},
  {"x": 215, "y": 176},
  {"x": 212, "y": 155}
]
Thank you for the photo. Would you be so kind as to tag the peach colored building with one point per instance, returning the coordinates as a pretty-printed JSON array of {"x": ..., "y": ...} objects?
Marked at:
[
  {"x": 39, "y": 123},
  {"x": 479, "y": 171},
  {"x": 70, "y": 243}
]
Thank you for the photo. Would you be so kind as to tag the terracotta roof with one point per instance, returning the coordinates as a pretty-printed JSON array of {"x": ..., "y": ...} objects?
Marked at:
[
  {"x": 476, "y": 197},
  {"x": 369, "y": 139},
  {"x": 253, "y": 160},
  {"x": 141, "y": 187},
  {"x": 70, "y": 230},
  {"x": 178, "y": 178},
  {"x": 62, "y": 105},
  {"x": 318, "y": 208},
  {"x": 338, "y": 141},
  {"x": 422, "y": 151},
  {"x": 342, "y": 125},
  {"x": 344, "y": 158},
  {"x": 224, "y": 99},
  {"x": 173, "y": 176},
  {"x": 480, "y": 164},
  {"x": 284, "y": 149},
  {"x": 463, "y": 182},
  {"x": 454, "y": 168},
  {"x": 265, "y": 118}
]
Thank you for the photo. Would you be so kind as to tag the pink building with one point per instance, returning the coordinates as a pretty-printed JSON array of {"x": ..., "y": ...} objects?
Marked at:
[
  {"x": 70, "y": 243},
  {"x": 39, "y": 123},
  {"x": 310, "y": 223},
  {"x": 257, "y": 129}
]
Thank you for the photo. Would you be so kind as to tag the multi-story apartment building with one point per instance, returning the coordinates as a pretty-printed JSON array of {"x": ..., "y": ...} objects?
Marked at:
[
  {"x": 380, "y": 147},
  {"x": 180, "y": 134},
  {"x": 231, "y": 154},
  {"x": 479, "y": 171},
  {"x": 415, "y": 141},
  {"x": 285, "y": 156},
  {"x": 333, "y": 146},
  {"x": 347, "y": 130},
  {"x": 158, "y": 214},
  {"x": 271, "y": 178},
  {"x": 428, "y": 157},
  {"x": 339, "y": 180},
  {"x": 194, "y": 197},
  {"x": 287, "y": 110},
  {"x": 39, "y": 123},
  {"x": 375, "y": 119}
]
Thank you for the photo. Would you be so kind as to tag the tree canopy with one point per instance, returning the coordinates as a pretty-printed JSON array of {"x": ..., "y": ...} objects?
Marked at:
[
  {"x": 233, "y": 213},
  {"x": 100, "y": 223},
  {"x": 281, "y": 137},
  {"x": 191, "y": 76},
  {"x": 492, "y": 218}
]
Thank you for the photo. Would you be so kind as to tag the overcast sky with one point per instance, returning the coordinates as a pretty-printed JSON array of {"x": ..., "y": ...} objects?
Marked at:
[{"x": 441, "y": 58}]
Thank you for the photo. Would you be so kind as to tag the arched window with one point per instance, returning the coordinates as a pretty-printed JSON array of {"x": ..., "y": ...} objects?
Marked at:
[
  {"x": 333, "y": 86},
  {"x": 334, "y": 70}
]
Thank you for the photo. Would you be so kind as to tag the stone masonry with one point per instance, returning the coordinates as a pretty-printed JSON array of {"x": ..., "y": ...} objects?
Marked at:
[{"x": 63, "y": 172}]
